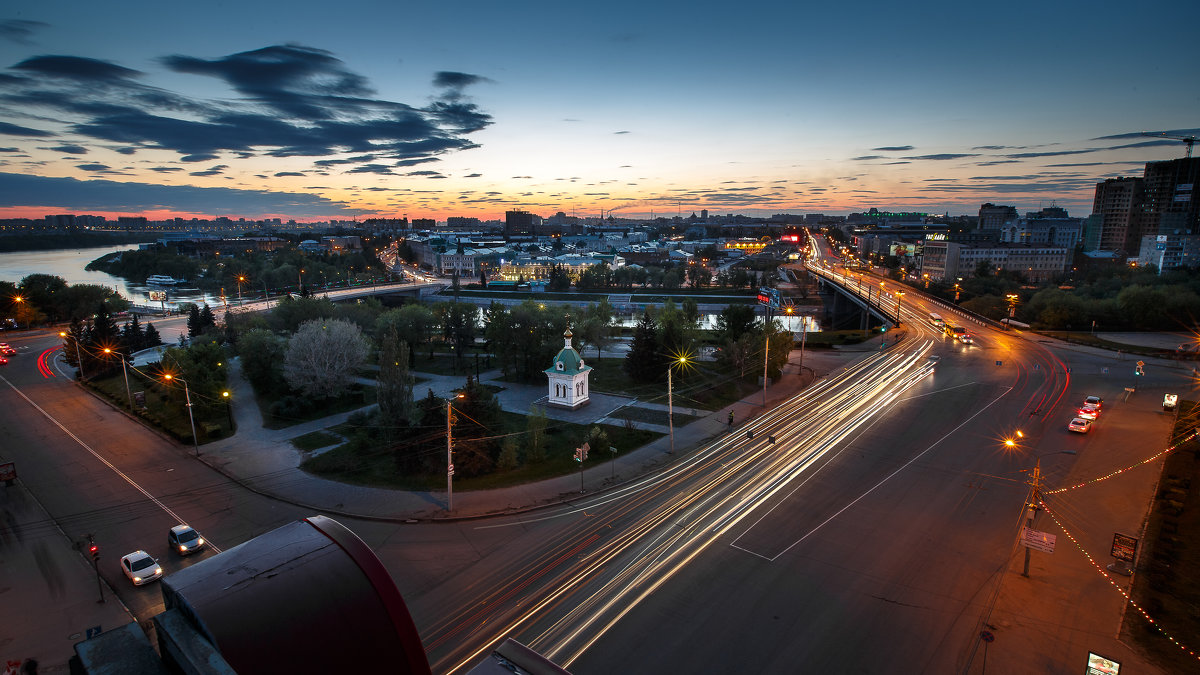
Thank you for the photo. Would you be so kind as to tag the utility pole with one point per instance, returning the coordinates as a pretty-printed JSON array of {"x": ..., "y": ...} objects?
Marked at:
[
  {"x": 766, "y": 352},
  {"x": 1034, "y": 490},
  {"x": 449, "y": 460}
]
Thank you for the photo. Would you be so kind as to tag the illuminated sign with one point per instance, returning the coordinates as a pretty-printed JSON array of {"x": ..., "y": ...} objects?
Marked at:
[
  {"x": 935, "y": 237},
  {"x": 1099, "y": 665}
]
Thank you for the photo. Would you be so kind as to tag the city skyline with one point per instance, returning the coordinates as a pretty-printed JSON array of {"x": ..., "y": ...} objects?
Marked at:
[{"x": 310, "y": 112}]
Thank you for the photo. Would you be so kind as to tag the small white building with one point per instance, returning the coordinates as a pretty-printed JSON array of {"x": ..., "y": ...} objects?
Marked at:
[{"x": 568, "y": 377}]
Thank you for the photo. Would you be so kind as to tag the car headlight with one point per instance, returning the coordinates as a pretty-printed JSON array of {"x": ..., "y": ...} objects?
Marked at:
[
  {"x": 137, "y": 580},
  {"x": 200, "y": 541},
  {"x": 182, "y": 548},
  {"x": 158, "y": 570}
]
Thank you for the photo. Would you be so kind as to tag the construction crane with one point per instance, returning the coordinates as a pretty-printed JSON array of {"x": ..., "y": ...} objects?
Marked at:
[{"x": 1188, "y": 140}]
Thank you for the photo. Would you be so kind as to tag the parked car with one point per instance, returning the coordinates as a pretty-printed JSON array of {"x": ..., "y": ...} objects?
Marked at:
[
  {"x": 184, "y": 540},
  {"x": 141, "y": 568},
  {"x": 1080, "y": 424}
]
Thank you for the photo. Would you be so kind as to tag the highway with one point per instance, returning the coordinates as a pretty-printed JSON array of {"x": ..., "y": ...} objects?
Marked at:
[{"x": 871, "y": 535}]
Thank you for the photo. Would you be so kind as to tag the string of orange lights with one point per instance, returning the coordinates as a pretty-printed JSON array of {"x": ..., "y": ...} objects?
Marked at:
[
  {"x": 1099, "y": 568},
  {"x": 1092, "y": 481}
]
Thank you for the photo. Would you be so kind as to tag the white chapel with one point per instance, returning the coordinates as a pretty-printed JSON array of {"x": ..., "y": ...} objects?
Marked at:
[{"x": 568, "y": 377}]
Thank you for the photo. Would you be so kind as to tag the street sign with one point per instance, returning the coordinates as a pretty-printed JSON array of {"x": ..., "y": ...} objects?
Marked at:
[
  {"x": 1124, "y": 547},
  {"x": 987, "y": 636},
  {"x": 1037, "y": 540}
]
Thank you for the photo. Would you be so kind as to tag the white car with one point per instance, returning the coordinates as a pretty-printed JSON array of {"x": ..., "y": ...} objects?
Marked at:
[
  {"x": 141, "y": 568},
  {"x": 1080, "y": 424}
]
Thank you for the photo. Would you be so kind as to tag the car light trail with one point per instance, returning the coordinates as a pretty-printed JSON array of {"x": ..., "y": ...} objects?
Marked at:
[
  {"x": 699, "y": 499},
  {"x": 42, "y": 366}
]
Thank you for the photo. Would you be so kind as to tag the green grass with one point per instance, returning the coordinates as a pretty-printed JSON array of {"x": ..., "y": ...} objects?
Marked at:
[
  {"x": 375, "y": 466},
  {"x": 359, "y": 396},
  {"x": 164, "y": 410},
  {"x": 446, "y": 364},
  {"x": 314, "y": 441}
]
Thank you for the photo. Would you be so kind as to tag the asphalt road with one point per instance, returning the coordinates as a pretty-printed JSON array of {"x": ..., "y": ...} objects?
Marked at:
[{"x": 869, "y": 537}]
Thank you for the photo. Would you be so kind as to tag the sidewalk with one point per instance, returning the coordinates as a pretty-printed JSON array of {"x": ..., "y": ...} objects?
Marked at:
[
  {"x": 48, "y": 590},
  {"x": 265, "y": 461}
]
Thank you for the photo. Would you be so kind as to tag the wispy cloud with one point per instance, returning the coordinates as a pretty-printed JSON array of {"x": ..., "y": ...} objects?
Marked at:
[
  {"x": 893, "y": 148},
  {"x": 20, "y": 31}
]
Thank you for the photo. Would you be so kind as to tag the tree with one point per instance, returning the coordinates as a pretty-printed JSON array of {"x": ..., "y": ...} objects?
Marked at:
[
  {"x": 643, "y": 363},
  {"x": 262, "y": 354},
  {"x": 535, "y": 426},
  {"x": 733, "y": 322},
  {"x": 736, "y": 352},
  {"x": 207, "y": 320},
  {"x": 395, "y": 384},
  {"x": 322, "y": 357},
  {"x": 193, "y": 321},
  {"x": 132, "y": 335},
  {"x": 151, "y": 338},
  {"x": 412, "y": 324},
  {"x": 559, "y": 280},
  {"x": 507, "y": 461}
]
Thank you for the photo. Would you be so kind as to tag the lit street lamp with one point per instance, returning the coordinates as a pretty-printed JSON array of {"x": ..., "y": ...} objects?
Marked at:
[
  {"x": 899, "y": 296},
  {"x": 241, "y": 278},
  {"x": 228, "y": 410},
  {"x": 187, "y": 395},
  {"x": 78, "y": 356},
  {"x": 670, "y": 403},
  {"x": 108, "y": 350}
]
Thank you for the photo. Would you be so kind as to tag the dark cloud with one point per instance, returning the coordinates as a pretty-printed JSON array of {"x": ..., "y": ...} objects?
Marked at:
[
  {"x": 76, "y": 68},
  {"x": 294, "y": 101},
  {"x": 941, "y": 157},
  {"x": 20, "y": 31},
  {"x": 449, "y": 79},
  {"x": 166, "y": 169},
  {"x": 423, "y": 173},
  {"x": 381, "y": 169},
  {"x": 473, "y": 175},
  {"x": 281, "y": 174},
  {"x": 1140, "y": 134},
  {"x": 212, "y": 171},
  {"x": 865, "y": 158},
  {"x": 106, "y": 195},
  {"x": 415, "y": 162},
  {"x": 998, "y": 161},
  {"x": 10, "y": 150},
  {"x": 618, "y": 133},
  {"x": 893, "y": 148},
  {"x": 93, "y": 167},
  {"x": 14, "y": 130},
  {"x": 69, "y": 149}
]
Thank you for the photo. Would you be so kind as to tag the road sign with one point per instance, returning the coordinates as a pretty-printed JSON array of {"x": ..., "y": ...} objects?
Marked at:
[
  {"x": 450, "y": 470},
  {"x": 1037, "y": 540},
  {"x": 987, "y": 636},
  {"x": 999, "y": 363},
  {"x": 1124, "y": 547}
]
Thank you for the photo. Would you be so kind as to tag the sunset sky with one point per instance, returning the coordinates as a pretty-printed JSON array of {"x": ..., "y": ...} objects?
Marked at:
[{"x": 364, "y": 108}]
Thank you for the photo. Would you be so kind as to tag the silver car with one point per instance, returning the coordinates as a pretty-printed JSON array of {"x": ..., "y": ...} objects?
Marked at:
[{"x": 184, "y": 540}]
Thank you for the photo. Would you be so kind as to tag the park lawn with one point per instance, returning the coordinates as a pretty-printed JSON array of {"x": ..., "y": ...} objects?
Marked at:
[
  {"x": 445, "y": 364},
  {"x": 375, "y": 466},
  {"x": 315, "y": 440},
  {"x": 358, "y": 396},
  {"x": 165, "y": 410}
]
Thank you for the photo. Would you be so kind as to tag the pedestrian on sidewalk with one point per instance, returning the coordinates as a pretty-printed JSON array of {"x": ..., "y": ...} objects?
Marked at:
[{"x": 731, "y": 420}]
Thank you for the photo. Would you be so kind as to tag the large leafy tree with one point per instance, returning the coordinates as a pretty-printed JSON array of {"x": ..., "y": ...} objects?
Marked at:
[
  {"x": 412, "y": 323},
  {"x": 322, "y": 357},
  {"x": 733, "y": 322},
  {"x": 262, "y": 354}
]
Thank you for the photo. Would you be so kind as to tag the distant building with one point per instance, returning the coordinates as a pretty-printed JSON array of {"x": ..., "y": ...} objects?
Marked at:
[
  {"x": 993, "y": 217},
  {"x": 519, "y": 223},
  {"x": 945, "y": 260},
  {"x": 1118, "y": 203}
]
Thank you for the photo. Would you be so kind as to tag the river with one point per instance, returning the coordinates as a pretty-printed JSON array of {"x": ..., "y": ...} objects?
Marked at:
[{"x": 70, "y": 263}]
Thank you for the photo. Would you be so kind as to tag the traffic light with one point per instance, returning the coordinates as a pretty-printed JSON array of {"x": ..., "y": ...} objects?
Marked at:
[
  {"x": 94, "y": 550},
  {"x": 1139, "y": 369}
]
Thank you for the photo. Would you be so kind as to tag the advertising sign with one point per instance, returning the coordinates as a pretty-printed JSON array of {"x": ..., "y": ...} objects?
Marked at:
[
  {"x": 1124, "y": 547},
  {"x": 1099, "y": 665},
  {"x": 159, "y": 296}
]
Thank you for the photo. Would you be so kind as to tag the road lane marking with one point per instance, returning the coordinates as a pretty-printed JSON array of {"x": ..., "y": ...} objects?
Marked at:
[
  {"x": 107, "y": 463},
  {"x": 872, "y": 488}
]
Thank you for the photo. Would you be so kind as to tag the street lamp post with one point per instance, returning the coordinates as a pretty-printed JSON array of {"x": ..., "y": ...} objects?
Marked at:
[
  {"x": 670, "y": 402},
  {"x": 108, "y": 350},
  {"x": 1035, "y": 491},
  {"x": 240, "y": 279},
  {"x": 899, "y": 296},
  {"x": 450, "y": 454},
  {"x": 78, "y": 356},
  {"x": 191, "y": 418},
  {"x": 228, "y": 410}
]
